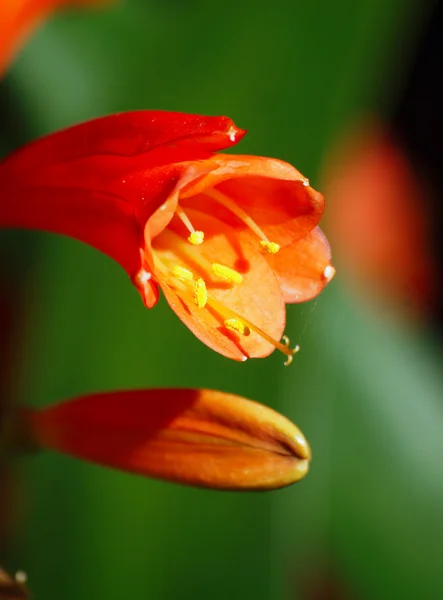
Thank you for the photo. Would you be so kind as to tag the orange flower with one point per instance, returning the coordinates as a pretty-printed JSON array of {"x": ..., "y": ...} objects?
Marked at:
[
  {"x": 230, "y": 239},
  {"x": 19, "y": 17},
  {"x": 379, "y": 221},
  {"x": 195, "y": 437}
]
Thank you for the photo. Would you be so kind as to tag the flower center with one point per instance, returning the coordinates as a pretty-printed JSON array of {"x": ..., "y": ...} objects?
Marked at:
[{"x": 189, "y": 279}]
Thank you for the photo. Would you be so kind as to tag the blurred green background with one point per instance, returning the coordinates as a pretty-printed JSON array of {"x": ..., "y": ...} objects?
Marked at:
[{"x": 366, "y": 522}]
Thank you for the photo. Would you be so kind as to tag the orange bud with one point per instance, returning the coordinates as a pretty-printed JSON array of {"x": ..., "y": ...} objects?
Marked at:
[{"x": 195, "y": 437}]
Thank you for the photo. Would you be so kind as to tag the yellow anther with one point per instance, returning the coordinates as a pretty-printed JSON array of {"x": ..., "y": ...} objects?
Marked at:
[
  {"x": 196, "y": 238},
  {"x": 200, "y": 293},
  {"x": 271, "y": 247},
  {"x": 237, "y": 326},
  {"x": 226, "y": 273},
  {"x": 182, "y": 273}
]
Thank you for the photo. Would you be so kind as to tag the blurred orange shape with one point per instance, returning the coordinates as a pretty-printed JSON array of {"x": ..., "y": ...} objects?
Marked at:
[
  {"x": 18, "y": 18},
  {"x": 378, "y": 219},
  {"x": 196, "y": 437}
]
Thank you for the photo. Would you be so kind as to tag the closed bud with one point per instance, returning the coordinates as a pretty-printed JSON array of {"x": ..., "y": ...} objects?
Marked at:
[{"x": 195, "y": 437}]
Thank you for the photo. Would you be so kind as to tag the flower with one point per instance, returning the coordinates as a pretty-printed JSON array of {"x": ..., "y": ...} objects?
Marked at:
[
  {"x": 379, "y": 219},
  {"x": 230, "y": 239},
  {"x": 19, "y": 17},
  {"x": 195, "y": 437}
]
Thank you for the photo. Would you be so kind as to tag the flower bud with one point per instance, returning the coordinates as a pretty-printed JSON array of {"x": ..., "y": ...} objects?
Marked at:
[{"x": 195, "y": 437}]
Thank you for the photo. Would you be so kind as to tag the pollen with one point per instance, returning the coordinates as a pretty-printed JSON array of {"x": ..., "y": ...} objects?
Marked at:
[
  {"x": 196, "y": 238},
  {"x": 200, "y": 293},
  {"x": 226, "y": 273},
  {"x": 238, "y": 326},
  {"x": 182, "y": 273},
  {"x": 271, "y": 247}
]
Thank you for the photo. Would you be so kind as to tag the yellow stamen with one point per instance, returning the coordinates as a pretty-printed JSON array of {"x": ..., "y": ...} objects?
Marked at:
[
  {"x": 226, "y": 273},
  {"x": 188, "y": 251},
  {"x": 200, "y": 293},
  {"x": 231, "y": 315},
  {"x": 271, "y": 247},
  {"x": 196, "y": 238},
  {"x": 182, "y": 273},
  {"x": 237, "y": 326},
  {"x": 231, "y": 319},
  {"x": 243, "y": 216}
]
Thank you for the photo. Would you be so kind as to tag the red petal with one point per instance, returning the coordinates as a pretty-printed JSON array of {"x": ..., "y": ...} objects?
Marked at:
[
  {"x": 104, "y": 222},
  {"x": 194, "y": 437},
  {"x": 95, "y": 180},
  {"x": 303, "y": 267},
  {"x": 128, "y": 135}
]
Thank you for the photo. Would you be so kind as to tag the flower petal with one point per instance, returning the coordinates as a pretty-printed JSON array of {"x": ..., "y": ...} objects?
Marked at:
[
  {"x": 258, "y": 298},
  {"x": 195, "y": 437},
  {"x": 129, "y": 134},
  {"x": 100, "y": 220},
  {"x": 304, "y": 267},
  {"x": 100, "y": 181},
  {"x": 273, "y": 193}
]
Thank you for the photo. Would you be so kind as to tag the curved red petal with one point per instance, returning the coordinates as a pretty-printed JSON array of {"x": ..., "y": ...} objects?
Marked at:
[
  {"x": 304, "y": 267},
  {"x": 78, "y": 181},
  {"x": 129, "y": 135},
  {"x": 194, "y": 437},
  {"x": 86, "y": 181},
  {"x": 104, "y": 222}
]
